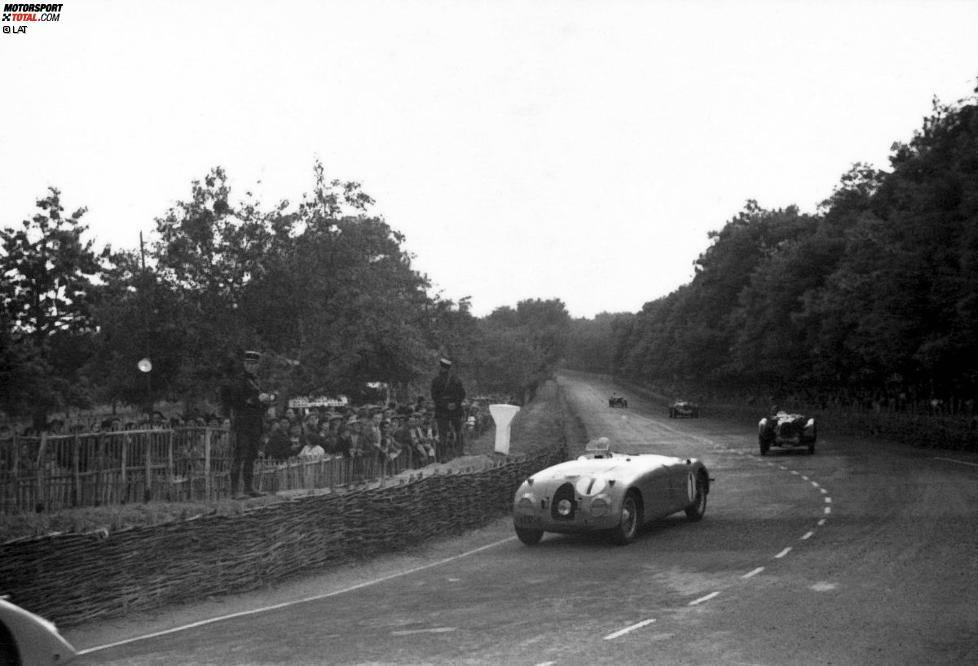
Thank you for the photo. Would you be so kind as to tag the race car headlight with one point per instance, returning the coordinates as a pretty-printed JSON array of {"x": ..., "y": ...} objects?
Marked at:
[
  {"x": 565, "y": 507},
  {"x": 810, "y": 424},
  {"x": 600, "y": 506}
]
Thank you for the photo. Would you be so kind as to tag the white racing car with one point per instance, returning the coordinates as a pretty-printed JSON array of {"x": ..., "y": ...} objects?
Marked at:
[{"x": 610, "y": 492}]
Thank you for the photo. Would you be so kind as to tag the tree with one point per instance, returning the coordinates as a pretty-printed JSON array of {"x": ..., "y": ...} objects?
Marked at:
[
  {"x": 47, "y": 296},
  {"x": 323, "y": 287}
]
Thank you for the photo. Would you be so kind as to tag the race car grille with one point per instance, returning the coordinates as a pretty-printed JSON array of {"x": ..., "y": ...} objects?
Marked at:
[
  {"x": 787, "y": 429},
  {"x": 564, "y": 493}
]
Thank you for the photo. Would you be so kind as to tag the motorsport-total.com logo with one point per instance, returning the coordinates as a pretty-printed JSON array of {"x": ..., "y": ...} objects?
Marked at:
[{"x": 27, "y": 13}]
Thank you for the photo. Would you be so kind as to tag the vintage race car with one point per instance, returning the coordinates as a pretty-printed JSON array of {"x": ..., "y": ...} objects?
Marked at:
[
  {"x": 684, "y": 409},
  {"x": 609, "y": 492},
  {"x": 28, "y": 639},
  {"x": 787, "y": 430},
  {"x": 617, "y": 401}
]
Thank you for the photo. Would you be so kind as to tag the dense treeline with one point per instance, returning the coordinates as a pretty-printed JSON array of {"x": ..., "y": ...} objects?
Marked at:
[
  {"x": 324, "y": 288},
  {"x": 874, "y": 297}
]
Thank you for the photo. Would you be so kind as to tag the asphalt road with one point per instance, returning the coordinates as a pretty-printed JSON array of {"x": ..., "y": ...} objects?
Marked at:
[{"x": 864, "y": 553}]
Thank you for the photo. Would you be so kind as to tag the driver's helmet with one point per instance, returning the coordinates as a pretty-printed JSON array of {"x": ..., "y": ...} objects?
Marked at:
[{"x": 601, "y": 445}]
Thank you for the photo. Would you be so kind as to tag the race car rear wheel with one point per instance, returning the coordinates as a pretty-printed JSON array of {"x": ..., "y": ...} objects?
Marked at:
[
  {"x": 529, "y": 536},
  {"x": 631, "y": 518},
  {"x": 695, "y": 511}
]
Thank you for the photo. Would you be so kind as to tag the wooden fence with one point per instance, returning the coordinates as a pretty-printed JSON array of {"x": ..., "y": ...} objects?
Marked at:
[{"x": 54, "y": 472}]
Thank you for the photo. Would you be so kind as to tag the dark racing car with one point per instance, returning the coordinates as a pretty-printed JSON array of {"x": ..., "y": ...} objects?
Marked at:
[
  {"x": 786, "y": 430},
  {"x": 617, "y": 401},
  {"x": 683, "y": 409}
]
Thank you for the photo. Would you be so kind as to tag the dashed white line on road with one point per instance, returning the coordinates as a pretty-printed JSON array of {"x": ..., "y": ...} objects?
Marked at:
[
  {"x": 751, "y": 574},
  {"x": 821, "y": 522},
  {"x": 433, "y": 630},
  {"x": 828, "y": 500},
  {"x": 828, "y": 509},
  {"x": 622, "y": 632},
  {"x": 804, "y": 478},
  {"x": 702, "y": 599},
  {"x": 815, "y": 483},
  {"x": 783, "y": 553},
  {"x": 807, "y": 535},
  {"x": 960, "y": 462},
  {"x": 823, "y": 491},
  {"x": 795, "y": 472}
]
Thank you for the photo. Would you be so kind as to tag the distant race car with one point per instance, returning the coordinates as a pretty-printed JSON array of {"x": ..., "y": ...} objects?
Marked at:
[
  {"x": 603, "y": 491},
  {"x": 684, "y": 409},
  {"x": 28, "y": 639},
  {"x": 787, "y": 430},
  {"x": 617, "y": 401}
]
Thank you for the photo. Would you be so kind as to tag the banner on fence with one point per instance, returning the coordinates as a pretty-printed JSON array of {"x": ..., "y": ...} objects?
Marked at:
[{"x": 319, "y": 401}]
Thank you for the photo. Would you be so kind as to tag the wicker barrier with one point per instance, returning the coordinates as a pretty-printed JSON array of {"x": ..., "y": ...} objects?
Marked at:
[{"x": 79, "y": 577}]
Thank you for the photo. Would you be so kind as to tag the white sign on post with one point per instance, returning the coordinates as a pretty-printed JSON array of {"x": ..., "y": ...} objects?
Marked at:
[{"x": 503, "y": 415}]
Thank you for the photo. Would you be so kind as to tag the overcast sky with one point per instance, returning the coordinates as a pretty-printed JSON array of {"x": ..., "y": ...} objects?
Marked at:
[{"x": 571, "y": 150}]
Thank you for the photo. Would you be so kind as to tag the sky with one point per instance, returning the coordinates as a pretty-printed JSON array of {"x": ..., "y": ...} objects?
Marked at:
[{"x": 538, "y": 149}]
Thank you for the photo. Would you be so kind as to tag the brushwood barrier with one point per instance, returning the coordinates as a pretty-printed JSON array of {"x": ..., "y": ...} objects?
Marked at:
[{"x": 74, "y": 578}]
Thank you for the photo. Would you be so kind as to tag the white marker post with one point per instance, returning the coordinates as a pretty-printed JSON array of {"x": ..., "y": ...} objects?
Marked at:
[{"x": 503, "y": 415}]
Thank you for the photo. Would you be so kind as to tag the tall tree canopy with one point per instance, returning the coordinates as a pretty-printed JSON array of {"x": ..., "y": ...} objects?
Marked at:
[
  {"x": 47, "y": 296},
  {"x": 874, "y": 293}
]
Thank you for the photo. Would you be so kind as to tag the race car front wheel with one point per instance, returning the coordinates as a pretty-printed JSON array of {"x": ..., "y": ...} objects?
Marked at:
[
  {"x": 695, "y": 511},
  {"x": 631, "y": 518},
  {"x": 528, "y": 536}
]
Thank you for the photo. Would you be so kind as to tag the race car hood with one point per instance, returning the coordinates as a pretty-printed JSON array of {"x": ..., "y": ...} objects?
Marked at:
[{"x": 619, "y": 465}]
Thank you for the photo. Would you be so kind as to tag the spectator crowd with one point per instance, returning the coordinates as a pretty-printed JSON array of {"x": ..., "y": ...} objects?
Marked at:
[{"x": 383, "y": 432}]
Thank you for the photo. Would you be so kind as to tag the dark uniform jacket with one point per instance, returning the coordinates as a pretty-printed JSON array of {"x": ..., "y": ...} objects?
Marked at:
[
  {"x": 245, "y": 406},
  {"x": 447, "y": 389}
]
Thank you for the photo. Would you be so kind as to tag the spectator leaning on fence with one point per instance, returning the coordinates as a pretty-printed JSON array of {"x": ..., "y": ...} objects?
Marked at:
[
  {"x": 278, "y": 444},
  {"x": 389, "y": 448},
  {"x": 297, "y": 440},
  {"x": 413, "y": 437},
  {"x": 312, "y": 451},
  {"x": 333, "y": 445},
  {"x": 246, "y": 403},
  {"x": 447, "y": 393}
]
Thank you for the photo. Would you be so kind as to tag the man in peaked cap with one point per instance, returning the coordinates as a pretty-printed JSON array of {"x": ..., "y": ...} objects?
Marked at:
[
  {"x": 246, "y": 404},
  {"x": 447, "y": 393}
]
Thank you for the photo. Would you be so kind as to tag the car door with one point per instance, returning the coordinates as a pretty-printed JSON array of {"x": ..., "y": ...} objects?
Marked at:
[
  {"x": 682, "y": 487},
  {"x": 657, "y": 493}
]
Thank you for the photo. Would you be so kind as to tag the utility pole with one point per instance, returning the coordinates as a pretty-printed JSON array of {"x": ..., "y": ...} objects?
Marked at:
[{"x": 145, "y": 365}]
